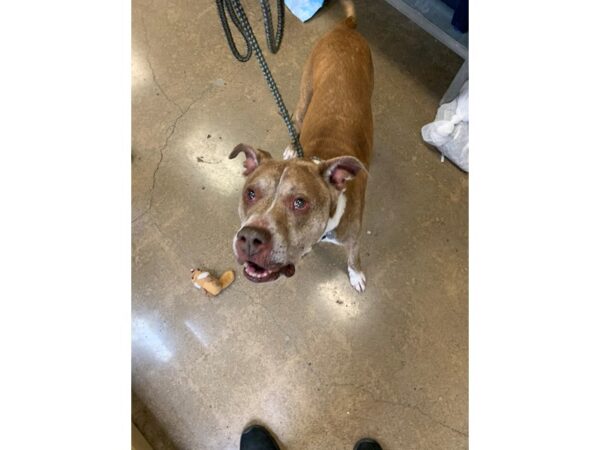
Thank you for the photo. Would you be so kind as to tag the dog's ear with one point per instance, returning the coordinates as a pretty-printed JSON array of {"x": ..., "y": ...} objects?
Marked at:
[
  {"x": 253, "y": 157},
  {"x": 338, "y": 170}
]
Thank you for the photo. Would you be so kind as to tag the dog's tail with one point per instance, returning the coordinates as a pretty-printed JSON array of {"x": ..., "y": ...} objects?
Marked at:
[{"x": 350, "y": 20}]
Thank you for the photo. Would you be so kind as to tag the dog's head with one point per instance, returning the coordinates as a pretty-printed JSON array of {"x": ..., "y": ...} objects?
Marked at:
[{"x": 285, "y": 208}]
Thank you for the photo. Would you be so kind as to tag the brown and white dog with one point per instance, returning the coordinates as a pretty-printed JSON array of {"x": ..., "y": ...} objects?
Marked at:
[{"x": 288, "y": 206}]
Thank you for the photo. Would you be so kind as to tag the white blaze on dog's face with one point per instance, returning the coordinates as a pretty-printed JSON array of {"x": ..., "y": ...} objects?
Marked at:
[{"x": 284, "y": 209}]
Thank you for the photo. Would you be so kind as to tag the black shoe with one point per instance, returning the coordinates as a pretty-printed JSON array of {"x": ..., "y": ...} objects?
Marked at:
[
  {"x": 367, "y": 444},
  {"x": 256, "y": 437}
]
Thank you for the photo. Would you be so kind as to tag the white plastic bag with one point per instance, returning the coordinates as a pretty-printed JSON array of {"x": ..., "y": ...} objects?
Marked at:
[{"x": 450, "y": 130}]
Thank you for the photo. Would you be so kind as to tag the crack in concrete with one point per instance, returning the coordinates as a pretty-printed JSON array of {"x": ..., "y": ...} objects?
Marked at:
[
  {"x": 172, "y": 127},
  {"x": 358, "y": 387},
  {"x": 162, "y": 149},
  {"x": 399, "y": 403},
  {"x": 154, "y": 79},
  {"x": 416, "y": 408},
  {"x": 171, "y": 131}
]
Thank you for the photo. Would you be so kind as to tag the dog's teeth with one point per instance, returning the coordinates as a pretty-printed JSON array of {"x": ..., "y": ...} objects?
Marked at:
[{"x": 255, "y": 272}]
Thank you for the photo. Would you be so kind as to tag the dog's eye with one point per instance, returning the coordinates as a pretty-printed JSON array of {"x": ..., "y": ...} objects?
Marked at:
[
  {"x": 299, "y": 203},
  {"x": 250, "y": 194}
]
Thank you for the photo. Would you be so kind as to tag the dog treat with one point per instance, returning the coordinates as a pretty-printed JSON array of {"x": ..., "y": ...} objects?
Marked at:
[{"x": 210, "y": 284}]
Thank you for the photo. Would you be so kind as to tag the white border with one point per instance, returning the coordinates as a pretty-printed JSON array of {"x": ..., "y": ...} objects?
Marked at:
[
  {"x": 534, "y": 226},
  {"x": 65, "y": 190}
]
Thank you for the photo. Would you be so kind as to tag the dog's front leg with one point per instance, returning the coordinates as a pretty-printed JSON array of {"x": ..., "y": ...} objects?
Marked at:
[{"x": 357, "y": 277}]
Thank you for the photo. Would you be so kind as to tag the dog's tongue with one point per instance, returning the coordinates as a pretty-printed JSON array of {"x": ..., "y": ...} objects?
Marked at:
[{"x": 289, "y": 270}]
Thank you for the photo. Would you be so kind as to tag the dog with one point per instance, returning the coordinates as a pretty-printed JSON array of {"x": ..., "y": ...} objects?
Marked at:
[{"x": 288, "y": 206}]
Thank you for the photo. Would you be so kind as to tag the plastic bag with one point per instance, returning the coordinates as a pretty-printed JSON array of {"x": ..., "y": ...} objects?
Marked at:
[
  {"x": 304, "y": 9},
  {"x": 450, "y": 130}
]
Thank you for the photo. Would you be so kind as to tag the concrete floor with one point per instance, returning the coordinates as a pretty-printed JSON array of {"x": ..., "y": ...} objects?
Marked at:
[{"x": 320, "y": 364}]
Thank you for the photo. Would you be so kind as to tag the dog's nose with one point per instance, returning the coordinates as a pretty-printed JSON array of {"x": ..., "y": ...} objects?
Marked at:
[{"x": 253, "y": 239}]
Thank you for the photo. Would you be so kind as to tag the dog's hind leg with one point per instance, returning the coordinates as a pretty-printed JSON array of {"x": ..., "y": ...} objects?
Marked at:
[
  {"x": 301, "y": 107},
  {"x": 305, "y": 96}
]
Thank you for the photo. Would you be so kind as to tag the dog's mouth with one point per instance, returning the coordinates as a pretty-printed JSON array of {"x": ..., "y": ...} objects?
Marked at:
[{"x": 259, "y": 274}]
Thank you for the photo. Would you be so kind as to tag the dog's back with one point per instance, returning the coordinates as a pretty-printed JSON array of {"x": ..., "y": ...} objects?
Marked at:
[{"x": 339, "y": 73}]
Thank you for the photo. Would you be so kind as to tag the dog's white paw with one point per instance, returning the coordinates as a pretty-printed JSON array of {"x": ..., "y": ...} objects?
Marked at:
[
  {"x": 289, "y": 152},
  {"x": 357, "y": 279}
]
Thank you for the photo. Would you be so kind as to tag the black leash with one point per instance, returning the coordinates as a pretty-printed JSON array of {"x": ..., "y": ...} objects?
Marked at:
[{"x": 239, "y": 19}]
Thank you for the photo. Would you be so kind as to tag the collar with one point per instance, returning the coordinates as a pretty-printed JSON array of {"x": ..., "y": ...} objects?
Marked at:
[{"x": 334, "y": 220}]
